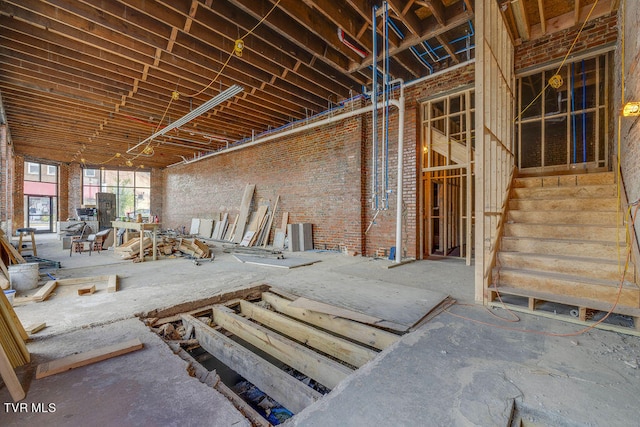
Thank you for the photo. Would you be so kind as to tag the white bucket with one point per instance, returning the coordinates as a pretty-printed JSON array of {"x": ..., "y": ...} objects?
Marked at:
[
  {"x": 24, "y": 277},
  {"x": 10, "y": 294}
]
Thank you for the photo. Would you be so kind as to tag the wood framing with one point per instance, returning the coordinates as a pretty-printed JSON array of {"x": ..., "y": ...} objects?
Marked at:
[
  {"x": 45, "y": 291},
  {"x": 282, "y": 387},
  {"x": 368, "y": 335},
  {"x": 494, "y": 161},
  {"x": 339, "y": 348},
  {"x": 322, "y": 369}
]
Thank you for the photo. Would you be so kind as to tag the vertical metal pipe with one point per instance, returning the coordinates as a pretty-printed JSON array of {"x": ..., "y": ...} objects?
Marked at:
[
  {"x": 400, "y": 105},
  {"x": 374, "y": 121}
]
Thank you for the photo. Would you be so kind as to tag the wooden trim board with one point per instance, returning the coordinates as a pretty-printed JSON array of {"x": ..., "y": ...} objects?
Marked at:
[
  {"x": 82, "y": 359},
  {"x": 244, "y": 213},
  {"x": 86, "y": 290}
]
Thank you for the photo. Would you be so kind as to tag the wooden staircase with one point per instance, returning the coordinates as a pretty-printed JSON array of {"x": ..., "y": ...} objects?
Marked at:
[{"x": 562, "y": 241}]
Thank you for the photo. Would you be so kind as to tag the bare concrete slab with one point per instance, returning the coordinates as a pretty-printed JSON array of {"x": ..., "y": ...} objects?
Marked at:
[
  {"x": 147, "y": 387},
  {"x": 451, "y": 371}
]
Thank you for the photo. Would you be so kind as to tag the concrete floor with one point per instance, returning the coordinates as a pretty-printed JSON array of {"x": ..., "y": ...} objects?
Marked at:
[{"x": 452, "y": 371}]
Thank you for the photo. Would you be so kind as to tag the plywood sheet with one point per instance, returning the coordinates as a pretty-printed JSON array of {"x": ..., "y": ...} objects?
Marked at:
[
  {"x": 206, "y": 227},
  {"x": 397, "y": 307}
]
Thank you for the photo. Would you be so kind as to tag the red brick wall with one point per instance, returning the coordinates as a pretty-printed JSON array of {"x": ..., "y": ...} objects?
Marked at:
[
  {"x": 18, "y": 193},
  {"x": 157, "y": 177},
  {"x": 6, "y": 182},
  {"x": 316, "y": 173},
  {"x": 554, "y": 47},
  {"x": 63, "y": 192},
  {"x": 323, "y": 177},
  {"x": 74, "y": 198}
]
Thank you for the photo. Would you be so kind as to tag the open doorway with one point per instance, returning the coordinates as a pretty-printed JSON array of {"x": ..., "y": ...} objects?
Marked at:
[{"x": 447, "y": 183}]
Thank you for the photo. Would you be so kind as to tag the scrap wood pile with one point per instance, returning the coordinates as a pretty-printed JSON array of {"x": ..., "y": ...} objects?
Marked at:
[
  {"x": 8, "y": 255},
  {"x": 165, "y": 246},
  {"x": 247, "y": 229}
]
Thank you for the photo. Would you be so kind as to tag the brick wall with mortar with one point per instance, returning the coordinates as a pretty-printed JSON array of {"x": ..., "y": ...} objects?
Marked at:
[
  {"x": 63, "y": 192},
  {"x": 554, "y": 47},
  {"x": 6, "y": 182},
  {"x": 630, "y": 126},
  {"x": 74, "y": 198},
  {"x": 323, "y": 177},
  {"x": 382, "y": 233},
  {"x": 155, "y": 204},
  {"x": 316, "y": 173},
  {"x": 18, "y": 193}
]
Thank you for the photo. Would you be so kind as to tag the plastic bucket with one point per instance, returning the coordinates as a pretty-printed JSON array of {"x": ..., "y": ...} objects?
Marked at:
[
  {"x": 24, "y": 277},
  {"x": 10, "y": 294}
]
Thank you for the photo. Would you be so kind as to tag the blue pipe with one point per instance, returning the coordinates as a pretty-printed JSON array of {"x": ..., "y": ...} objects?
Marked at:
[
  {"x": 374, "y": 125},
  {"x": 573, "y": 108},
  {"x": 386, "y": 106},
  {"x": 584, "y": 114}
]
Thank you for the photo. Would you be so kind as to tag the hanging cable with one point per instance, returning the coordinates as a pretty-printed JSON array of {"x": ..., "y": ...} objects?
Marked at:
[
  {"x": 575, "y": 40},
  {"x": 237, "y": 49}
]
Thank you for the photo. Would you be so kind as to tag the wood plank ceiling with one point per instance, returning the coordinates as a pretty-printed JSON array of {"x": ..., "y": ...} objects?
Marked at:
[{"x": 85, "y": 81}]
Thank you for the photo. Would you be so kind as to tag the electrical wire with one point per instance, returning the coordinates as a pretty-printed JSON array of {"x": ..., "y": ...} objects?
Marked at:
[
  {"x": 234, "y": 50},
  {"x": 561, "y": 64}
]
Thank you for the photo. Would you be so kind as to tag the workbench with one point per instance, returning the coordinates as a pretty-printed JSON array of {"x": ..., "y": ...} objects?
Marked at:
[{"x": 141, "y": 227}]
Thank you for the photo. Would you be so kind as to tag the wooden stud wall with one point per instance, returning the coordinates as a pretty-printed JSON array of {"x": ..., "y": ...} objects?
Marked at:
[{"x": 494, "y": 164}]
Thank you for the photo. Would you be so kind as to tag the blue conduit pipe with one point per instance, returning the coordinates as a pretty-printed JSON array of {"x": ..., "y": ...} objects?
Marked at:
[
  {"x": 386, "y": 107},
  {"x": 573, "y": 109},
  {"x": 584, "y": 114}
]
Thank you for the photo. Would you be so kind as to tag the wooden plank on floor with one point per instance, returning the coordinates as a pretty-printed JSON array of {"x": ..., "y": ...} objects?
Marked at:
[
  {"x": 365, "y": 334},
  {"x": 282, "y": 387},
  {"x": 339, "y": 348},
  {"x": 316, "y": 366},
  {"x": 112, "y": 283},
  {"x": 82, "y": 359},
  {"x": 34, "y": 328},
  {"x": 10, "y": 378}
]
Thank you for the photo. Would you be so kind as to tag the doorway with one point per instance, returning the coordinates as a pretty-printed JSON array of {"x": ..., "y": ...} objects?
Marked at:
[{"x": 41, "y": 211}]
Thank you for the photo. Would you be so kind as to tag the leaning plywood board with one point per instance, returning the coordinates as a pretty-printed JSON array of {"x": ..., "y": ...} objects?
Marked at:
[
  {"x": 89, "y": 357},
  {"x": 339, "y": 348},
  {"x": 10, "y": 378},
  {"x": 282, "y": 387},
  {"x": 316, "y": 366},
  {"x": 206, "y": 227},
  {"x": 244, "y": 213},
  {"x": 365, "y": 334}
]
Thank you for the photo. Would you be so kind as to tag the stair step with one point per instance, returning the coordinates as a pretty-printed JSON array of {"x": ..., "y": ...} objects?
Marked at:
[
  {"x": 582, "y": 191},
  {"x": 560, "y": 217},
  {"x": 566, "y": 180},
  {"x": 576, "y": 302},
  {"x": 566, "y": 231},
  {"x": 604, "y": 269},
  {"x": 569, "y": 204},
  {"x": 581, "y": 248},
  {"x": 570, "y": 286}
]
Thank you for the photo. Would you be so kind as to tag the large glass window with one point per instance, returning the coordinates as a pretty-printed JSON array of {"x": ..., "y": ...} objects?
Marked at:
[
  {"x": 563, "y": 124},
  {"x": 40, "y": 188},
  {"x": 132, "y": 189}
]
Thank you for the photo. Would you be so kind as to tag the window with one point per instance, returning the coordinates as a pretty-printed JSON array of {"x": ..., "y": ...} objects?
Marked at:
[
  {"x": 558, "y": 127},
  {"x": 51, "y": 170},
  {"x": 33, "y": 168},
  {"x": 132, "y": 189}
]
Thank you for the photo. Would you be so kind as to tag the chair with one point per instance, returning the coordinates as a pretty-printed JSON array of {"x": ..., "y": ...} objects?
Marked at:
[{"x": 85, "y": 236}]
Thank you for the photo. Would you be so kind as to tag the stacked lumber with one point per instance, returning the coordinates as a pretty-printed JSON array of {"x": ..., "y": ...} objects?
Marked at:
[
  {"x": 8, "y": 255},
  {"x": 13, "y": 350},
  {"x": 131, "y": 249},
  {"x": 194, "y": 248}
]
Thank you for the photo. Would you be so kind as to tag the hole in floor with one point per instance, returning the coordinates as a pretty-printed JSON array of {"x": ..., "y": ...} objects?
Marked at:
[{"x": 269, "y": 356}]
